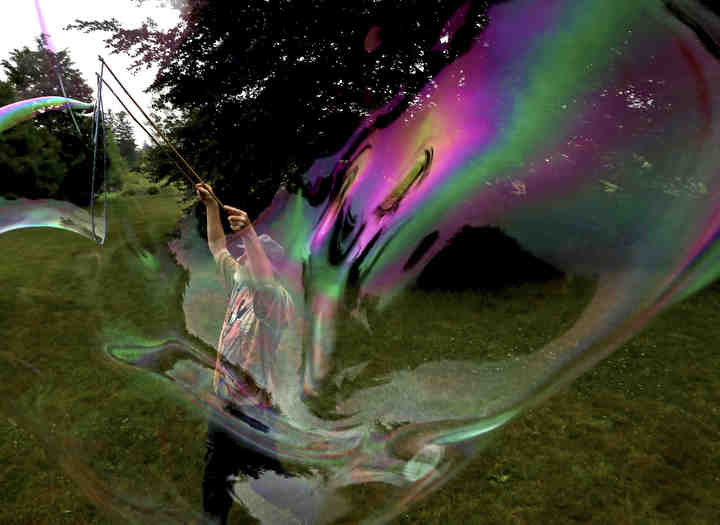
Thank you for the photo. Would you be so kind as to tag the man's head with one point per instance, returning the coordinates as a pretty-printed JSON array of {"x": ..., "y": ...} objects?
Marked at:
[{"x": 273, "y": 250}]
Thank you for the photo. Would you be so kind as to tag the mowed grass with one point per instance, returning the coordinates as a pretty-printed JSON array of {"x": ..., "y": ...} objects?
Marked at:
[{"x": 636, "y": 440}]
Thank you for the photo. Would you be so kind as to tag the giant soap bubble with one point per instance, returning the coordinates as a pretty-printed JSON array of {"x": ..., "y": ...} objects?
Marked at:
[{"x": 585, "y": 131}]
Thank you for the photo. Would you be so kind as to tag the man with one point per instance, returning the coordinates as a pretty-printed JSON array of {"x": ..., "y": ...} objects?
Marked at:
[{"x": 259, "y": 310}]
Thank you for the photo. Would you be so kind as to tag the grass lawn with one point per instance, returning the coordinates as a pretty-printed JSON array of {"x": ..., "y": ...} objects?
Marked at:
[{"x": 636, "y": 440}]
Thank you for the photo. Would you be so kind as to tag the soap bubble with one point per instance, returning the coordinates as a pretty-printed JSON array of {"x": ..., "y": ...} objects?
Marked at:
[
  {"x": 585, "y": 145},
  {"x": 19, "y": 209}
]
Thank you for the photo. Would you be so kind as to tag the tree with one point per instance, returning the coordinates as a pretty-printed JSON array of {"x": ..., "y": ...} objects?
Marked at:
[
  {"x": 124, "y": 136},
  {"x": 30, "y": 158},
  {"x": 7, "y": 93},
  {"x": 47, "y": 157},
  {"x": 116, "y": 163},
  {"x": 37, "y": 72},
  {"x": 255, "y": 107}
]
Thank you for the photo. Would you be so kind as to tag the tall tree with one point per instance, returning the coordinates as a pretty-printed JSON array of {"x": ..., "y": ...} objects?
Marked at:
[
  {"x": 46, "y": 157},
  {"x": 7, "y": 93},
  {"x": 124, "y": 136},
  {"x": 37, "y": 72},
  {"x": 263, "y": 88}
]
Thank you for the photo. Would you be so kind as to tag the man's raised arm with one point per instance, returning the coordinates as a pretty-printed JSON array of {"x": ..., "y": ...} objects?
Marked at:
[
  {"x": 256, "y": 262},
  {"x": 215, "y": 233}
]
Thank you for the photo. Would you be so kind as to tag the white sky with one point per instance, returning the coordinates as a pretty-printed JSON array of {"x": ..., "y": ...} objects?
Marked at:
[{"x": 19, "y": 27}]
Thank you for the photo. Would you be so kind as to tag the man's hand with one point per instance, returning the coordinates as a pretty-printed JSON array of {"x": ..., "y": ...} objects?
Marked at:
[
  {"x": 238, "y": 219},
  {"x": 204, "y": 193}
]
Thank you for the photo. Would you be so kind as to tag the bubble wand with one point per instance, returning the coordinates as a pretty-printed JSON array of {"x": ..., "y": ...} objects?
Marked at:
[
  {"x": 162, "y": 135},
  {"x": 152, "y": 137}
]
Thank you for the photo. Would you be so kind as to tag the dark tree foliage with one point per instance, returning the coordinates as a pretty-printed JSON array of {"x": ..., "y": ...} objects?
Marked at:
[
  {"x": 7, "y": 94},
  {"x": 29, "y": 158},
  {"x": 46, "y": 157},
  {"x": 265, "y": 87}
]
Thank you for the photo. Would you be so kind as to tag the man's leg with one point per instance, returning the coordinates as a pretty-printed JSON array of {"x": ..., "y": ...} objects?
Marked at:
[{"x": 219, "y": 465}]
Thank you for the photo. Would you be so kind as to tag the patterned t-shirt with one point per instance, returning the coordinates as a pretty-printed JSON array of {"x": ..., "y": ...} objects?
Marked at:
[{"x": 257, "y": 314}]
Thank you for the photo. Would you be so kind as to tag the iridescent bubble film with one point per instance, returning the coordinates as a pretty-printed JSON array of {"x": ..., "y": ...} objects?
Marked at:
[
  {"x": 32, "y": 213},
  {"x": 585, "y": 131},
  {"x": 13, "y": 114}
]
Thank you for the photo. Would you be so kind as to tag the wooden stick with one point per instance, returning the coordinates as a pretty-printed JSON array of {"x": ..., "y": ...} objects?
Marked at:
[
  {"x": 159, "y": 132},
  {"x": 145, "y": 129}
]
